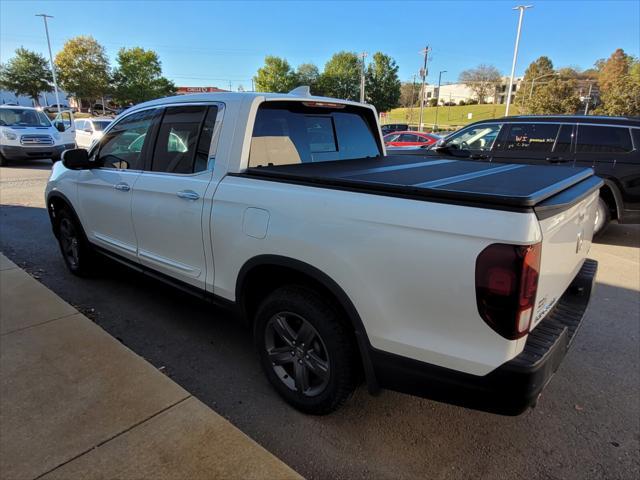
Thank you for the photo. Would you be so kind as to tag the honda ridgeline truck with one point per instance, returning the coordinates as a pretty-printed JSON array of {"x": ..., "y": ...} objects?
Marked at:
[{"x": 460, "y": 281}]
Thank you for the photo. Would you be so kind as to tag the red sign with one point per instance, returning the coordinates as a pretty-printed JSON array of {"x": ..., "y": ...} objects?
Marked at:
[{"x": 185, "y": 90}]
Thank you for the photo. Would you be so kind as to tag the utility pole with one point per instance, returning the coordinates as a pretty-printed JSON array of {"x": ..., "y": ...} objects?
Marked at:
[
  {"x": 449, "y": 108},
  {"x": 521, "y": 8},
  {"x": 53, "y": 70},
  {"x": 363, "y": 55},
  {"x": 435, "y": 123},
  {"x": 423, "y": 74},
  {"x": 588, "y": 101},
  {"x": 413, "y": 91}
]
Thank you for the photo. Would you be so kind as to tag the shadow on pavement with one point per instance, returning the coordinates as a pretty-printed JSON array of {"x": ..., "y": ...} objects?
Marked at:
[
  {"x": 572, "y": 432},
  {"x": 620, "y": 235}
]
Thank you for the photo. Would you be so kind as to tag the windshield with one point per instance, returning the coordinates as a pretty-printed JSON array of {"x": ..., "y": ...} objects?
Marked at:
[
  {"x": 21, "y": 117},
  {"x": 99, "y": 125},
  {"x": 480, "y": 137}
]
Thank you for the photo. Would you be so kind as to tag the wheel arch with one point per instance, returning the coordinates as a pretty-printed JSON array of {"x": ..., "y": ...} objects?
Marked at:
[
  {"x": 55, "y": 202},
  {"x": 610, "y": 193},
  {"x": 250, "y": 288}
]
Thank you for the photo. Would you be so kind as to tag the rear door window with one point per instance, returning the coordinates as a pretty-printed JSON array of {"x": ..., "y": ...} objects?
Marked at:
[
  {"x": 183, "y": 140},
  {"x": 531, "y": 137},
  {"x": 601, "y": 139},
  {"x": 564, "y": 139},
  {"x": 287, "y": 133}
]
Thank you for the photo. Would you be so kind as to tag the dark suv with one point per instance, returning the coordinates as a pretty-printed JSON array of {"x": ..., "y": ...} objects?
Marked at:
[
  {"x": 393, "y": 127},
  {"x": 610, "y": 145}
]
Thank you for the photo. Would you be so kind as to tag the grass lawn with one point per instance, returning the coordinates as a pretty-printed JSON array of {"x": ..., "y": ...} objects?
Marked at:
[{"x": 447, "y": 116}]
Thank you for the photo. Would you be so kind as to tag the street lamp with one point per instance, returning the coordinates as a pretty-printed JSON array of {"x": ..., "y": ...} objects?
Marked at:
[
  {"x": 538, "y": 78},
  {"x": 435, "y": 124},
  {"x": 53, "y": 70},
  {"x": 521, "y": 8}
]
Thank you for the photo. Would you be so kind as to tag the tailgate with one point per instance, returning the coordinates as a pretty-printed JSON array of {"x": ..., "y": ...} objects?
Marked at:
[{"x": 567, "y": 222}]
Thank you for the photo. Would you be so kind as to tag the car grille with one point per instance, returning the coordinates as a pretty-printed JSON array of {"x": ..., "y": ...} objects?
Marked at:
[{"x": 36, "y": 140}]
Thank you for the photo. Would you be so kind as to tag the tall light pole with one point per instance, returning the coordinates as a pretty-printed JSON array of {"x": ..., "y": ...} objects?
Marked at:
[
  {"x": 53, "y": 70},
  {"x": 363, "y": 55},
  {"x": 435, "y": 124},
  {"x": 423, "y": 74},
  {"x": 521, "y": 8}
]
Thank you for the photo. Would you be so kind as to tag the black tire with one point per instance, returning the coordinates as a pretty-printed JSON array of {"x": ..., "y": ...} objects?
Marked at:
[
  {"x": 330, "y": 346},
  {"x": 3, "y": 161},
  {"x": 603, "y": 217},
  {"x": 75, "y": 249}
]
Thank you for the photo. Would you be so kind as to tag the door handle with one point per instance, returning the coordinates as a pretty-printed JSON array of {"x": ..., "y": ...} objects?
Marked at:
[
  {"x": 556, "y": 159},
  {"x": 188, "y": 195},
  {"x": 478, "y": 156},
  {"x": 123, "y": 187}
]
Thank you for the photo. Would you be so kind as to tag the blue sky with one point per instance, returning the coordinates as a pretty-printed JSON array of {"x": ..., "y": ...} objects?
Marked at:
[{"x": 207, "y": 43}]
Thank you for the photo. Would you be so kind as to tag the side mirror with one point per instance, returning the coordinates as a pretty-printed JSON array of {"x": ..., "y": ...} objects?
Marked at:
[
  {"x": 60, "y": 126},
  {"x": 76, "y": 159}
]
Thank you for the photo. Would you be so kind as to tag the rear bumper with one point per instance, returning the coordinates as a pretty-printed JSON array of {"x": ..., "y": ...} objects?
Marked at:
[
  {"x": 11, "y": 152},
  {"x": 514, "y": 386}
]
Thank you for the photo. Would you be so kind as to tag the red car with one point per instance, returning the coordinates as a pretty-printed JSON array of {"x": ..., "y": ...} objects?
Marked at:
[{"x": 409, "y": 139}]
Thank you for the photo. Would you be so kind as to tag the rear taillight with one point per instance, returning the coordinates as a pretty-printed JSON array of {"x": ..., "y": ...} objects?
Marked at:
[{"x": 506, "y": 286}]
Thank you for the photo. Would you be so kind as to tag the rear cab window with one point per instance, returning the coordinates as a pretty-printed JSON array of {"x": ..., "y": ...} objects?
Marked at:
[{"x": 289, "y": 133}]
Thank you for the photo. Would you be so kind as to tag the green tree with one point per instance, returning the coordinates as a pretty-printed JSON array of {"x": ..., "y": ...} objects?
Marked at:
[
  {"x": 83, "y": 68},
  {"x": 27, "y": 73},
  {"x": 275, "y": 76},
  {"x": 308, "y": 74},
  {"x": 409, "y": 94},
  {"x": 555, "y": 96},
  {"x": 619, "y": 80},
  {"x": 138, "y": 77},
  {"x": 482, "y": 80},
  {"x": 341, "y": 76},
  {"x": 382, "y": 85},
  {"x": 537, "y": 73}
]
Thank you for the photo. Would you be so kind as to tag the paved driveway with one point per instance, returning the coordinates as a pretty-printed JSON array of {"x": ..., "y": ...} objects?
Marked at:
[{"x": 586, "y": 426}]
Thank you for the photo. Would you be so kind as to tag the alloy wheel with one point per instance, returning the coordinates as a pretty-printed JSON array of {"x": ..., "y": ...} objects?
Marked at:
[
  {"x": 297, "y": 353},
  {"x": 69, "y": 242}
]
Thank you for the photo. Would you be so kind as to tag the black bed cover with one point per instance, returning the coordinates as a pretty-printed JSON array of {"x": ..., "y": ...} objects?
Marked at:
[{"x": 514, "y": 186}]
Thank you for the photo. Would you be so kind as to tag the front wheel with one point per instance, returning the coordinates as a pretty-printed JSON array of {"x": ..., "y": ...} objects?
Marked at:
[
  {"x": 3, "y": 161},
  {"x": 602, "y": 218},
  {"x": 305, "y": 350}
]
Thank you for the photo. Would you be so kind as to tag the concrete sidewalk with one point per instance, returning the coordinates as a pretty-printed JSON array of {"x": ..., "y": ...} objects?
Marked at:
[{"x": 76, "y": 403}]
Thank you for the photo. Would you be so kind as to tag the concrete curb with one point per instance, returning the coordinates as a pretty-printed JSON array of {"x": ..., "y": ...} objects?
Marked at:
[{"x": 76, "y": 403}]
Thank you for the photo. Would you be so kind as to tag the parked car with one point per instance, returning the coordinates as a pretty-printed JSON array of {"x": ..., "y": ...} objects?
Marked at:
[
  {"x": 609, "y": 145},
  {"x": 88, "y": 130},
  {"x": 99, "y": 109},
  {"x": 453, "y": 280},
  {"x": 54, "y": 108},
  {"x": 27, "y": 133},
  {"x": 393, "y": 127},
  {"x": 410, "y": 139}
]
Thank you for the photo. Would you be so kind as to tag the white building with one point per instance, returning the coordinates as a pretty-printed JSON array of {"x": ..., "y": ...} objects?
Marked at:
[
  {"x": 457, "y": 92},
  {"x": 48, "y": 98}
]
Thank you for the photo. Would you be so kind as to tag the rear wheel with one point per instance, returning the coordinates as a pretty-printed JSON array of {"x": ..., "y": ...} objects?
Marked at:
[
  {"x": 75, "y": 249},
  {"x": 3, "y": 161},
  {"x": 305, "y": 350},
  {"x": 603, "y": 217}
]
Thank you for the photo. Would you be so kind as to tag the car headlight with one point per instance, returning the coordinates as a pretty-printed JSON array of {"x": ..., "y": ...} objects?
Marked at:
[{"x": 9, "y": 135}]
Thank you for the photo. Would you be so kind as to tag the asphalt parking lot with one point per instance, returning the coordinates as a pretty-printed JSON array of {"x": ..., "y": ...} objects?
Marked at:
[{"x": 586, "y": 426}]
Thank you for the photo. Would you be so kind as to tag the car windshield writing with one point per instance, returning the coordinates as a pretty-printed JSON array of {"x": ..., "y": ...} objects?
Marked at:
[{"x": 20, "y": 117}]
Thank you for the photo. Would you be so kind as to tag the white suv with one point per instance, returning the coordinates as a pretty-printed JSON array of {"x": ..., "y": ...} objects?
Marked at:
[{"x": 27, "y": 133}]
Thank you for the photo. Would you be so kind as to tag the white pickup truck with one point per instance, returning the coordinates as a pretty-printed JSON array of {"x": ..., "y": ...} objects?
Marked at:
[{"x": 459, "y": 281}]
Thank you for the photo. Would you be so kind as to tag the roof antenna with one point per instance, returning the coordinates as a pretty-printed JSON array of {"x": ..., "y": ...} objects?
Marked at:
[{"x": 302, "y": 91}]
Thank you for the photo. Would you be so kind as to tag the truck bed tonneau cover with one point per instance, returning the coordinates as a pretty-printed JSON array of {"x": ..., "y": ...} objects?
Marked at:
[{"x": 506, "y": 185}]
